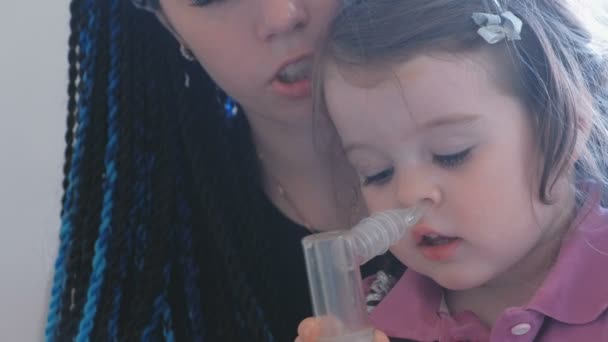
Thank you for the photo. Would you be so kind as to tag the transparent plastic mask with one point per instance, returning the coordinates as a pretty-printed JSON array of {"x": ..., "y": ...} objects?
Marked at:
[{"x": 333, "y": 261}]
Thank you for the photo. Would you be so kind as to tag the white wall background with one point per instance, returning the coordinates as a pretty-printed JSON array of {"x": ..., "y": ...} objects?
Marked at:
[{"x": 33, "y": 79}]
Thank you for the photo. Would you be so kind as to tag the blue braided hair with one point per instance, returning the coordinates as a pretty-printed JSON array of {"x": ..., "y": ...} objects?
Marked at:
[
  {"x": 189, "y": 268},
  {"x": 109, "y": 184},
  {"x": 154, "y": 244},
  {"x": 71, "y": 197}
]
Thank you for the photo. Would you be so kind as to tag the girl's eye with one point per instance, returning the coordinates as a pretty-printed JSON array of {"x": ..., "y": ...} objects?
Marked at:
[
  {"x": 452, "y": 160},
  {"x": 379, "y": 178}
]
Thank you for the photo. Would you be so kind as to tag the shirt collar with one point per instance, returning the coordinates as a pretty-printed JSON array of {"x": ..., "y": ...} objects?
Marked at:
[
  {"x": 412, "y": 310},
  {"x": 409, "y": 310},
  {"x": 576, "y": 289}
]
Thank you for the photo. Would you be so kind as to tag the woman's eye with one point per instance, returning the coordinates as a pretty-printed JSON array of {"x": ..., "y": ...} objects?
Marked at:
[
  {"x": 201, "y": 3},
  {"x": 379, "y": 178},
  {"x": 452, "y": 160}
]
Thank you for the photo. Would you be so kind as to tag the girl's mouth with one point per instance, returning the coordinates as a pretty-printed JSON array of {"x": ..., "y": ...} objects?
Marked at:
[
  {"x": 435, "y": 240},
  {"x": 434, "y": 246}
]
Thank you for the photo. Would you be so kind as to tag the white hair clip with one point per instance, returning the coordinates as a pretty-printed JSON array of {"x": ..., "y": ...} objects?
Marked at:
[{"x": 494, "y": 28}]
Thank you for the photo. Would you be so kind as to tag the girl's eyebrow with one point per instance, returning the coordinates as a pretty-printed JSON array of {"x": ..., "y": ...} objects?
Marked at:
[
  {"x": 448, "y": 120},
  {"x": 349, "y": 148},
  {"x": 451, "y": 119}
]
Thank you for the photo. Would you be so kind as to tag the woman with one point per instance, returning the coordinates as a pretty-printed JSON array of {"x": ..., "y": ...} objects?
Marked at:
[{"x": 183, "y": 212}]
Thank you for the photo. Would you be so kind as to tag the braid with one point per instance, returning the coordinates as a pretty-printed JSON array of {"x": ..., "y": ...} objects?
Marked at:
[
  {"x": 146, "y": 232},
  {"x": 73, "y": 81},
  {"x": 71, "y": 198},
  {"x": 123, "y": 239},
  {"x": 240, "y": 137},
  {"x": 86, "y": 218},
  {"x": 140, "y": 307},
  {"x": 118, "y": 248},
  {"x": 74, "y": 59},
  {"x": 93, "y": 173},
  {"x": 123, "y": 291},
  {"x": 107, "y": 220},
  {"x": 141, "y": 202},
  {"x": 161, "y": 310},
  {"x": 189, "y": 267},
  {"x": 166, "y": 308},
  {"x": 162, "y": 227},
  {"x": 225, "y": 152},
  {"x": 237, "y": 152},
  {"x": 193, "y": 125},
  {"x": 152, "y": 302},
  {"x": 138, "y": 237},
  {"x": 216, "y": 296}
]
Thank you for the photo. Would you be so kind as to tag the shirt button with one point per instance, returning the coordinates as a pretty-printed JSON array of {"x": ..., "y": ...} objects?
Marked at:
[{"x": 521, "y": 329}]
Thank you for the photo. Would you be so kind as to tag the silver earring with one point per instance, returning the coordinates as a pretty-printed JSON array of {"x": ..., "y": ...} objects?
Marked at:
[
  {"x": 186, "y": 80},
  {"x": 186, "y": 53}
]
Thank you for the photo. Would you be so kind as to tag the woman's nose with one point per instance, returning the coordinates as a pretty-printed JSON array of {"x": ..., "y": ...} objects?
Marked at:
[{"x": 279, "y": 17}]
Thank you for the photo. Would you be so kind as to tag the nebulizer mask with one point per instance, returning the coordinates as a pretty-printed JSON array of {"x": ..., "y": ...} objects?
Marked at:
[{"x": 333, "y": 261}]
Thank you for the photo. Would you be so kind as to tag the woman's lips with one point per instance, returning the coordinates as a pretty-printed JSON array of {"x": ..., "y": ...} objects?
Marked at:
[
  {"x": 298, "y": 89},
  {"x": 301, "y": 87}
]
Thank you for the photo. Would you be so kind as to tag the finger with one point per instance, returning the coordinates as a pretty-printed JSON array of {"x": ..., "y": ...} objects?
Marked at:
[
  {"x": 379, "y": 336},
  {"x": 309, "y": 330}
]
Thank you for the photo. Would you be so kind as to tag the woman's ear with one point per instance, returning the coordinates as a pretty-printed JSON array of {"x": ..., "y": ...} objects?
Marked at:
[
  {"x": 154, "y": 7},
  {"x": 164, "y": 20}
]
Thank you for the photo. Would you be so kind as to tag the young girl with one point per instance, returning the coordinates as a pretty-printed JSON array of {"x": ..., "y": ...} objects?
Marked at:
[{"x": 494, "y": 113}]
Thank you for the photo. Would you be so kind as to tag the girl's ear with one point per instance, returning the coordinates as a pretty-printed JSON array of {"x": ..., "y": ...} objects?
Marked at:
[{"x": 583, "y": 130}]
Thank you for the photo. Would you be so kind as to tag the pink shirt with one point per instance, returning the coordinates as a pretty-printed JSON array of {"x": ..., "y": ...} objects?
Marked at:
[{"x": 571, "y": 305}]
